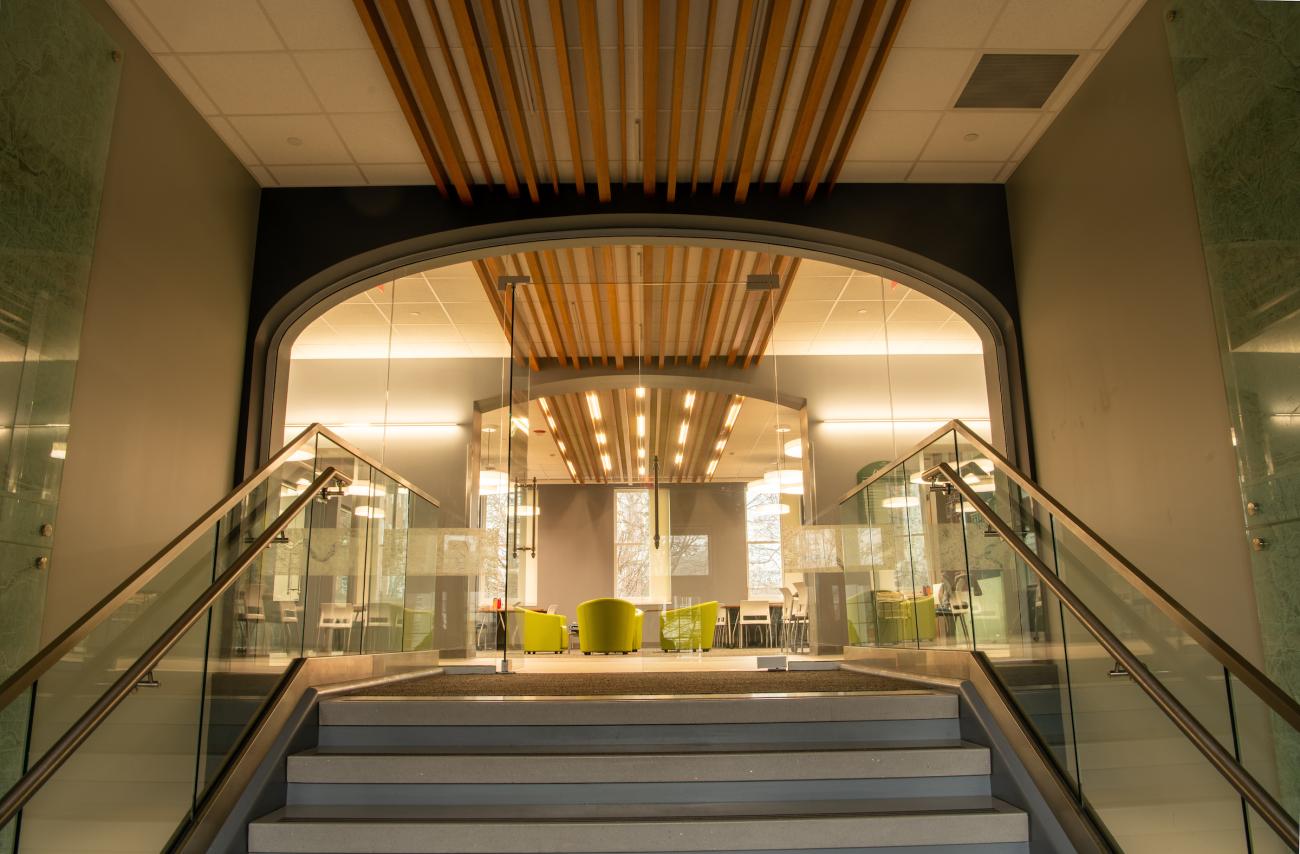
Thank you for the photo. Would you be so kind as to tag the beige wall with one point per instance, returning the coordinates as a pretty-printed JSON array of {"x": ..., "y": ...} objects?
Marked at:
[
  {"x": 156, "y": 402},
  {"x": 1126, "y": 394}
]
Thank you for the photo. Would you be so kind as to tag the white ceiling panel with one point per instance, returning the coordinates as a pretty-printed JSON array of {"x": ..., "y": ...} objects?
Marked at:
[
  {"x": 377, "y": 137},
  {"x": 923, "y": 79},
  {"x": 959, "y": 173},
  {"x": 341, "y": 175},
  {"x": 253, "y": 84},
  {"x": 317, "y": 24},
  {"x": 396, "y": 174},
  {"x": 190, "y": 88},
  {"x": 348, "y": 81},
  {"x": 197, "y": 26},
  {"x": 893, "y": 135},
  {"x": 979, "y": 135},
  {"x": 292, "y": 139},
  {"x": 1053, "y": 24},
  {"x": 948, "y": 23}
]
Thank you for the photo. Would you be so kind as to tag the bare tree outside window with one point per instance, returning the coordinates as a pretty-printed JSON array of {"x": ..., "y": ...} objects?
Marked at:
[
  {"x": 688, "y": 554},
  {"x": 763, "y": 536},
  {"x": 632, "y": 543}
]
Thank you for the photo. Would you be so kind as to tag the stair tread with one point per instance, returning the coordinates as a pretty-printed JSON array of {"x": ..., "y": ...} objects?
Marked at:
[
  {"x": 649, "y": 813},
  {"x": 554, "y": 750}
]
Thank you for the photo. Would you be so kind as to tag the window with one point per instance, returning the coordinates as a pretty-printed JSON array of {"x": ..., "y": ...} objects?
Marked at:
[
  {"x": 632, "y": 544},
  {"x": 689, "y": 554},
  {"x": 763, "y": 509}
]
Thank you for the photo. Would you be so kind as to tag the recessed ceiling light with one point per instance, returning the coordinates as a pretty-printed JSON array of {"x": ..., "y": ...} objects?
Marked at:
[
  {"x": 413, "y": 314},
  {"x": 862, "y": 311},
  {"x": 781, "y": 428},
  {"x": 489, "y": 429},
  {"x": 971, "y": 137},
  {"x": 293, "y": 140},
  {"x": 678, "y": 459},
  {"x": 640, "y": 391}
]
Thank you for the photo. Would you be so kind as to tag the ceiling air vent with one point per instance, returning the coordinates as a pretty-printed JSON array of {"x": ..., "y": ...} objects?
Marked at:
[{"x": 1015, "y": 80}]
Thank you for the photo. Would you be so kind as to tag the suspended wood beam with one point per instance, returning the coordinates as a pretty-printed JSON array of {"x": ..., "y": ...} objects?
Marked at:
[
  {"x": 704, "y": 96},
  {"x": 804, "y": 7},
  {"x": 649, "y": 94},
  {"x": 458, "y": 89},
  {"x": 463, "y": 17},
  {"x": 590, "y": 33},
  {"x": 823, "y": 61},
  {"x": 739, "y": 49},
  {"x": 874, "y": 72},
  {"x": 566, "y": 90},
  {"x": 756, "y": 117}
]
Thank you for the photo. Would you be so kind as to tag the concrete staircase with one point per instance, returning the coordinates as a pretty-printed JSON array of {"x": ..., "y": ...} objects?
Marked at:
[{"x": 877, "y": 772}]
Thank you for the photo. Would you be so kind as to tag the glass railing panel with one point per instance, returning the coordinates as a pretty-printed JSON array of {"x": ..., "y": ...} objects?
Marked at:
[
  {"x": 386, "y": 513},
  {"x": 132, "y": 783},
  {"x": 1270, "y": 750},
  {"x": 334, "y": 598},
  {"x": 426, "y": 619},
  {"x": 880, "y": 603},
  {"x": 1150, "y": 787}
]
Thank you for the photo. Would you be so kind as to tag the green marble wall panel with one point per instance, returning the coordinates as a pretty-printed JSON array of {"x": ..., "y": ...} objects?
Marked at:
[
  {"x": 58, "y": 87},
  {"x": 1237, "y": 69}
]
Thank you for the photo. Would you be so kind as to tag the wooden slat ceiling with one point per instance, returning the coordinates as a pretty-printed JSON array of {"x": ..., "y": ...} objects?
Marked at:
[
  {"x": 613, "y": 436},
  {"x": 629, "y": 305},
  {"x": 541, "y": 88}
]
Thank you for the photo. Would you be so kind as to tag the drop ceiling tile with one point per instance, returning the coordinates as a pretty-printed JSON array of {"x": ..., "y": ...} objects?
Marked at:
[
  {"x": 893, "y": 135},
  {"x": 1073, "y": 79},
  {"x": 863, "y": 286},
  {"x": 253, "y": 83},
  {"x": 787, "y": 331},
  {"x": 458, "y": 289},
  {"x": 317, "y": 24},
  {"x": 956, "y": 172},
  {"x": 203, "y": 26},
  {"x": 811, "y": 267},
  {"x": 409, "y": 334},
  {"x": 318, "y": 176},
  {"x": 854, "y": 331},
  {"x": 815, "y": 287},
  {"x": 997, "y": 135},
  {"x": 348, "y": 81},
  {"x": 922, "y": 78},
  {"x": 139, "y": 26},
  {"x": 420, "y": 314},
  {"x": 412, "y": 289},
  {"x": 501, "y": 350},
  {"x": 806, "y": 311},
  {"x": 919, "y": 310},
  {"x": 232, "y": 140},
  {"x": 470, "y": 312},
  {"x": 859, "y": 311},
  {"x": 396, "y": 174},
  {"x": 292, "y": 139},
  {"x": 353, "y": 314},
  {"x": 263, "y": 175},
  {"x": 185, "y": 82},
  {"x": 377, "y": 137},
  {"x": 1034, "y": 24},
  {"x": 948, "y": 23}
]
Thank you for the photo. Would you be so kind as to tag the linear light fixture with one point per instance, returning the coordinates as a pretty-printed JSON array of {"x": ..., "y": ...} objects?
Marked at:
[
  {"x": 640, "y": 426},
  {"x": 640, "y": 392},
  {"x": 605, "y": 462},
  {"x": 689, "y": 401},
  {"x": 732, "y": 414},
  {"x": 712, "y": 468},
  {"x": 678, "y": 459},
  {"x": 593, "y": 405},
  {"x": 640, "y": 453},
  {"x": 600, "y": 438},
  {"x": 681, "y": 434},
  {"x": 641, "y": 471}
]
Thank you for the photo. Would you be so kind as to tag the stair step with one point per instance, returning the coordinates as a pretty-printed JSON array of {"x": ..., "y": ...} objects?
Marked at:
[
  {"x": 565, "y": 711},
  {"x": 842, "y": 764},
  {"x": 696, "y": 827}
]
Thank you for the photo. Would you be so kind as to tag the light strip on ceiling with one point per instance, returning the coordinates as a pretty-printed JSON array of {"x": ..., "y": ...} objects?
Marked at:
[{"x": 593, "y": 405}]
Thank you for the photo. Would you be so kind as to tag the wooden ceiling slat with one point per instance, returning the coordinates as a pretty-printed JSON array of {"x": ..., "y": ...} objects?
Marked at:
[
  {"x": 787, "y": 279},
  {"x": 650, "y": 95},
  {"x": 621, "y": 26},
  {"x": 823, "y": 60},
  {"x": 371, "y": 19},
  {"x": 735, "y": 76},
  {"x": 621, "y": 438},
  {"x": 566, "y": 88},
  {"x": 458, "y": 89},
  {"x": 859, "y": 46},
  {"x": 574, "y": 408},
  {"x": 804, "y": 7},
  {"x": 415, "y": 64},
  {"x": 610, "y": 277},
  {"x": 681, "y": 24},
  {"x": 593, "y": 280},
  {"x": 664, "y": 289},
  {"x": 543, "y": 288},
  {"x": 462, "y": 16},
  {"x": 874, "y": 71},
  {"x": 680, "y": 293},
  {"x": 721, "y": 285},
  {"x": 555, "y": 279},
  {"x": 702, "y": 102},
  {"x": 702, "y": 288},
  {"x": 778, "y": 13},
  {"x": 579, "y": 304},
  {"x": 595, "y": 93},
  {"x": 535, "y": 73},
  {"x": 649, "y": 290}
]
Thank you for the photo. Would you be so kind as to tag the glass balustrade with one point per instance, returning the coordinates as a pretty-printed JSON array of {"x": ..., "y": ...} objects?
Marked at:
[
  {"x": 353, "y": 571},
  {"x": 925, "y": 567}
]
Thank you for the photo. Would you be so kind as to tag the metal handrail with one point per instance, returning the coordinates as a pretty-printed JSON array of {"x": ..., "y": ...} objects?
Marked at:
[
  {"x": 1272, "y": 812},
  {"x": 53, "y": 652},
  {"x": 1272, "y": 694},
  {"x": 40, "y": 772}
]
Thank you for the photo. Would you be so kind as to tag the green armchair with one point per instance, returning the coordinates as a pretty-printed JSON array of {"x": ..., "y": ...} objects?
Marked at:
[
  {"x": 609, "y": 625},
  {"x": 544, "y": 632},
  {"x": 889, "y": 617},
  {"x": 688, "y": 628}
]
